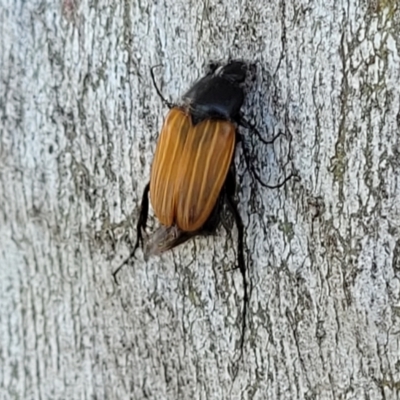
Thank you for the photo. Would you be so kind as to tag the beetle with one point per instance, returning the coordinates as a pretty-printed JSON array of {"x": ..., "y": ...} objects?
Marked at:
[{"x": 192, "y": 173}]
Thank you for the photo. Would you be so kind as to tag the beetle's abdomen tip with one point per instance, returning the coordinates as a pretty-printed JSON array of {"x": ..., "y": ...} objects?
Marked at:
[{"x": 165, "y": 238}]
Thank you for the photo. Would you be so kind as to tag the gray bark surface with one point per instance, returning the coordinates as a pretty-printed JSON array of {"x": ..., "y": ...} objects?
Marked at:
[{"x": 79, "y": 121}]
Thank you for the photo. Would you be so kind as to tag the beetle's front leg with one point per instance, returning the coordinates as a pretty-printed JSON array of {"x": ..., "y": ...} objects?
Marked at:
[{"x": 241, "y": 121}]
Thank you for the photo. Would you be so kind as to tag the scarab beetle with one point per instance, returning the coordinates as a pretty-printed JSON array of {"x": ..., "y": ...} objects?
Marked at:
[{"x": 192, "y": 171}]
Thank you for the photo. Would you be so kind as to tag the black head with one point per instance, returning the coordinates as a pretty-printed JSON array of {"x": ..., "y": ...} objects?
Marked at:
[
  {"x": 235, "y": 71},
  {"x": 219, "y": 94}
]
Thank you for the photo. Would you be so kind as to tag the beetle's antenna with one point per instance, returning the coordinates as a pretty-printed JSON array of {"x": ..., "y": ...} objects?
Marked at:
[{"x": 166, "y": 102}]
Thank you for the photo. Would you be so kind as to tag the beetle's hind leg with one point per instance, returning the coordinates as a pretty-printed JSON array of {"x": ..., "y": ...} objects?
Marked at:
[
  {"x": 140, "y": 228},
  {"x": 240, "y": 258},
  {"x": 144, "y": 213}
]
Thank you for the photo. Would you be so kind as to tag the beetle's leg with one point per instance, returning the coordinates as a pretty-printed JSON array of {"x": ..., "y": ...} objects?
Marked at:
[
  {"x": 166, "y": 102},
  {"x": 140, "y": 227},
  {"x": 256, "y": 175},
  {"x": 241, "y": 121},
  {"x": 144, "y": 213},
  {"x": 229, "y": 190},
  {"x": 241, "y": 262}
]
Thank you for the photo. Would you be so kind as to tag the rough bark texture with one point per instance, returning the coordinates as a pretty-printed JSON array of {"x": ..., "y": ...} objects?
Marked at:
[{"x": 79, "y": 120}]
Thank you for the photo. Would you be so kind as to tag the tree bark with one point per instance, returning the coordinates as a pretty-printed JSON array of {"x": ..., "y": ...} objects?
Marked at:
[{"x": 79, "y": 123}]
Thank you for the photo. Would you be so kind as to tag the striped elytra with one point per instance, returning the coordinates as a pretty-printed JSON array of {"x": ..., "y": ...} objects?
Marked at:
[{"x": 189, "y": 169}]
